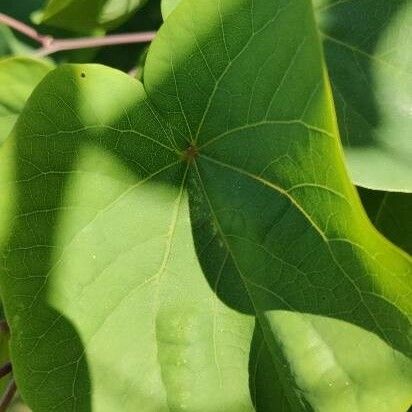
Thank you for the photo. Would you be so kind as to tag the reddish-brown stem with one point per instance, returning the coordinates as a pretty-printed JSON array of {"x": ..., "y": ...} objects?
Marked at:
[
  {"x": 5, "y": 369},
  {"x": 8, "y": 396},
  {"x": 51, "y": 45},
  {"x": 89, "y": 42},
  {"x": 25, "y": 29}
]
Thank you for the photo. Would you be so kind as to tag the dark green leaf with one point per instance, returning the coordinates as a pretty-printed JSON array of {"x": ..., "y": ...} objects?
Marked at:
[
  {"x": 88, "y": 16},
  {"x": 391, "y": 213},
  {"x": 12, "y": 43}
]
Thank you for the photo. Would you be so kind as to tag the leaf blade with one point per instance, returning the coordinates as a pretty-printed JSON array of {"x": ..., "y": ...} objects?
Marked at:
[
  {"x": 370, "y": 68},
  {"x": 271, "y": 236}
]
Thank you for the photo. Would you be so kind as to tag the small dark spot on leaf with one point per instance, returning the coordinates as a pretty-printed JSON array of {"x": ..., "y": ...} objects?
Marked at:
[{"x": 83, "y": 74}]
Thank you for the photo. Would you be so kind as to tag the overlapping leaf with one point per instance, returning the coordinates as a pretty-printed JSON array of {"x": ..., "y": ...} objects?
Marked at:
[
  {"x": 153, "y": 224},
  {"x": 370, "y": 63},
  {"x": 390, "y": 212},
  {"x": 18, "y": 77},
  {"x": 87, "y": 16}
]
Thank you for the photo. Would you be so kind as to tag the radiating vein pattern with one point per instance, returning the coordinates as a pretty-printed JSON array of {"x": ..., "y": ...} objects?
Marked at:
[{"x": 269, "y": 156}]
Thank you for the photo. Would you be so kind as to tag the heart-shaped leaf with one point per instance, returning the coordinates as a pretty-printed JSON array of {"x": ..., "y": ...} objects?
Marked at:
[
  {"x": 153, "y": 225},
  {"x": 168, "y": 6},
  {"x": 369, "y": 62}
]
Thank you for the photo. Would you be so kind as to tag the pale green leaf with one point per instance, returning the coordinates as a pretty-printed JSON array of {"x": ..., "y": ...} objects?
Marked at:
[
  {"x": 368, "y": 49},
  {"x": 338, "y": 367},
  {"x": 168, "y": 6},
  {"x": 18, "y": 77},
  {"x": 157, "y": 336},
  {"x": 154, "y": 225},
  {"x": 9, "y": 44}
]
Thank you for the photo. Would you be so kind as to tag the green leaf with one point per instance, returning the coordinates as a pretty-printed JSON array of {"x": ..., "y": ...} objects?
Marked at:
[
  {"x": 391, "y": 213},
  {"x": 266, "y": 386},
  {"x": 154, "y": 225},
  {"x": 167, "y": 6},
  {"x": 143, "y": 287},
  {"x": 88, "y": 16},
  {"x": 18, "y": 77},
  {"x": 9, "y": 44},
  {"x": 339, "y": 363},
  {"x": 370, "y": 64},
  {"x": 14, "y": 43}
]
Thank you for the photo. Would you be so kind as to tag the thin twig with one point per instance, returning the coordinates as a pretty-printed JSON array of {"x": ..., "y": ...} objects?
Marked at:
[
  {"x": 5, "y": 369},
  {"x": 57, "y": 45},
  {"x": 8, "y": 396},
  {"x": 51, "y": 45},
  {"x": 25, "y": 29}
]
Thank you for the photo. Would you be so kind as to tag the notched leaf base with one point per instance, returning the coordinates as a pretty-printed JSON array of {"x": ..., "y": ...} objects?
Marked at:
[{"x": 190, "y": 153}]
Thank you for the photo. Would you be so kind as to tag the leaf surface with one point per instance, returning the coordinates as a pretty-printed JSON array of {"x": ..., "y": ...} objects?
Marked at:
[
  {"x": 391, "y": 214},
  {"x": 18, "y": 77},
  {"x": 168, "y": 6},
  {"x": 370, "y": 65},
  {"x": 88, "y": 16},
  {"x": 369, "y": 59},
  {"x": 139, "y": 283},
  {"x": 9, "y": 44},
  {"x": 168, "y": 231}
]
